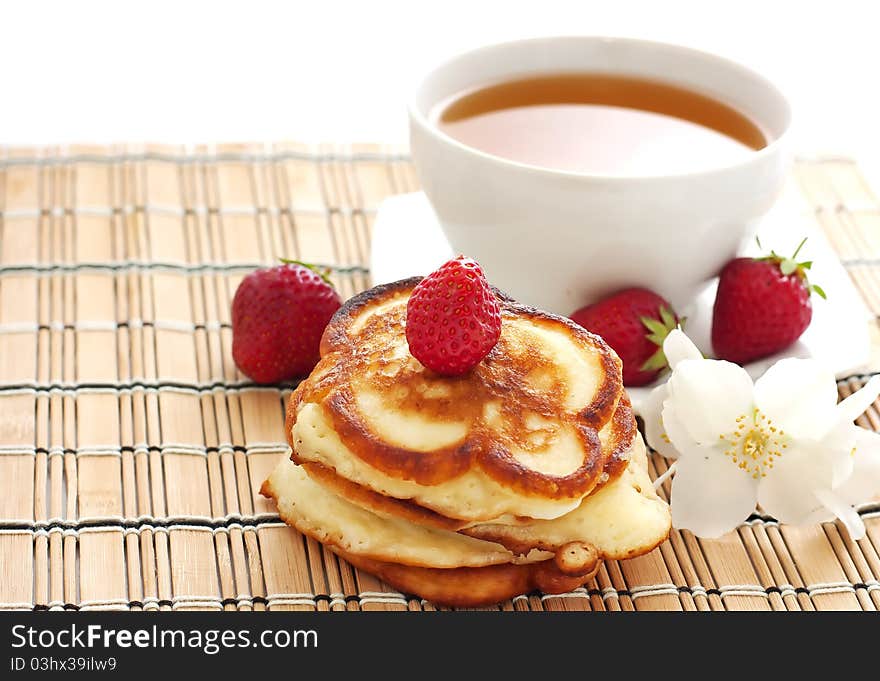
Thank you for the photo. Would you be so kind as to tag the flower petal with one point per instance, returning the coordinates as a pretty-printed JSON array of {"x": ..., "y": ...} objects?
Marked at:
[
  {"x": 847, "y": 514},
  {"x": 799, "y": 395},
  {"x": 678, "y": 347},
  {"x": 708, "y": 396},
  {"x": 679, "y": 436},
  {"x": 710, "y": 495},
  {"x": 819, "y": 516},
  {"x": 655, "y": 432},
  {"x": 864, "y": 483},
  {"x": 840, "y": 442},
  {"x": 856, "y": 404},
  {"x": 788, "y": 491},
  {"x": 841, "y": 458}
]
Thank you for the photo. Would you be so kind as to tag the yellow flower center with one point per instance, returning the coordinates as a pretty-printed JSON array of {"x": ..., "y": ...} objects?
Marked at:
[{"x": 755, "y": 443}]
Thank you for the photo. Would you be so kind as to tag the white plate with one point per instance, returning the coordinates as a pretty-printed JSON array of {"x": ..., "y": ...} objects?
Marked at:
[{"x": 408, "y": 241}]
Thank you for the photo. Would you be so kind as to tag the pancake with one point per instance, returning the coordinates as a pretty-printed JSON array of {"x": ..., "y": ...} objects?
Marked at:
[
  {"x": 618, "y": 437},
  {"x": 443, "y": 567},
  {"x": 332, "y": 520},
  {"x": 521, "y": 435},
  {"x": 523, "y": 474},
  {"x": 472, "y": 587},
  {"x": 623, "y": 519}
]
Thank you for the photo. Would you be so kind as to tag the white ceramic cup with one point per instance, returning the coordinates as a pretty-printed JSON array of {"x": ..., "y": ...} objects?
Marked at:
[{"x": 558, "y": 240}]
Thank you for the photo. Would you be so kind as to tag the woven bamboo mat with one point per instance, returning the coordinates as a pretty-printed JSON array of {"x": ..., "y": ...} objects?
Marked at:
[{"x": 132, "y": 451}]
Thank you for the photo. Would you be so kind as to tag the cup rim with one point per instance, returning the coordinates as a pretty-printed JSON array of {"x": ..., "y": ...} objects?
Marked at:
[{"x": 776, "y": 144}]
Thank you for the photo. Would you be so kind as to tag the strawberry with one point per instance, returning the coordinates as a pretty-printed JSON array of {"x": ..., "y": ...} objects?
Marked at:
[
  {"x": 762, "y": 306},
  {"x": 634, "y": 322},
  {"x": 452, "y": 318},
  {"x": 278, "y": 316}
]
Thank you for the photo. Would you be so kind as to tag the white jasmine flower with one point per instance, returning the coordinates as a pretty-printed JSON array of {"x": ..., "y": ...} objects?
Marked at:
[
  {"x": 782, "y": 442},
  {"x": 677, "y": 347}
]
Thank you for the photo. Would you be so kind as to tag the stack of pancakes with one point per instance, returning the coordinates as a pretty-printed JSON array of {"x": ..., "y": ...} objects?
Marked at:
[{"x": 520, "y": 475}]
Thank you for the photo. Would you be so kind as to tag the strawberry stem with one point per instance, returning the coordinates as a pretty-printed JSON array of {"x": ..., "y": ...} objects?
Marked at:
[
  {"x": 323, "y": 273},
  {"x": 789, "y": 266},
  {"x": 659, "y": 329}
]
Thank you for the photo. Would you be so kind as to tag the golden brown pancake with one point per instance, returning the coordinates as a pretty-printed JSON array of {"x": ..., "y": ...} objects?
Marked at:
[
  {"x": 336, "y": 521},
  {"x": 523, "y": 474},
  {"x": 472, "y": 587},
  {"x": 444, "y": 567},
  {"x": 520, "y": 435},
  {"x": 617, "y": 438},
  {"x": 623, "y": 519}
]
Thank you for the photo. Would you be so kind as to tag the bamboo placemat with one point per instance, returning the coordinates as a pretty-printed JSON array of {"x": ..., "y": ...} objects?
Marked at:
[{"x": 132, "y": 450}]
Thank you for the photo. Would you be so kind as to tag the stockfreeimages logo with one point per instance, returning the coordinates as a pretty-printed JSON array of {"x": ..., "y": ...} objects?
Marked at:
[{"x": 209, "y": 641}]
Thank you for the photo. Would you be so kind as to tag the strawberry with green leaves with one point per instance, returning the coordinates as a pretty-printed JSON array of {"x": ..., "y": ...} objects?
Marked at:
[
  {"x": 762, "y": 306},
  {"x": 278, "y": 317},
  {"x": 634, "y": 322}
]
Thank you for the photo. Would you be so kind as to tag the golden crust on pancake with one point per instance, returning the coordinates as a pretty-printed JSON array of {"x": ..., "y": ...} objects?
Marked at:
[
  {"x": 524, "y": 425},
  {"x": 472, "y": 587},
  {"x": 334, "y": 521},
  {"x": 443, "y": 567},
  {"x": 617, "y": 438},
  {"x": 623, "y": 519}
]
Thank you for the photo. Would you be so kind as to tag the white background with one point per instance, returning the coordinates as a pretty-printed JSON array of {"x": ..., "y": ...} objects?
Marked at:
[{"x": 342, "y": 71}]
